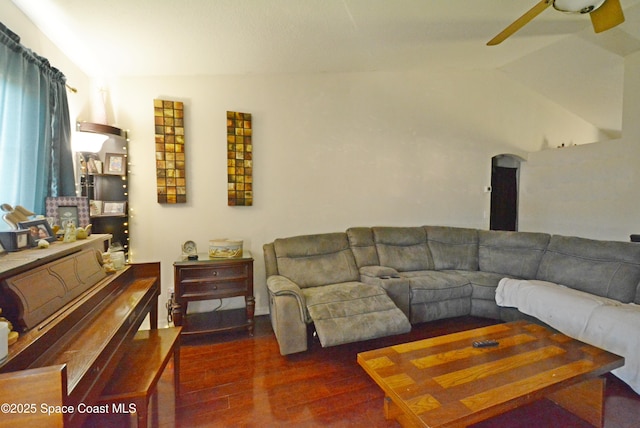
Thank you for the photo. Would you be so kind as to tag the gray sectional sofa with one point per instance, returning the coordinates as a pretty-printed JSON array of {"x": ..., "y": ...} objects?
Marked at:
[{"x": 369, "y": 282}]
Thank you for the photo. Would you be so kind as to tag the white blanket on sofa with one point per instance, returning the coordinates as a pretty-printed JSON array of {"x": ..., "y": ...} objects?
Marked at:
[{"x": 598, "y": 321}]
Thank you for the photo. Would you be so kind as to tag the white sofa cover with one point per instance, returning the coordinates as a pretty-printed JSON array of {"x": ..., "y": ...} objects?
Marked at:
[{"x": 599, "y": 321}]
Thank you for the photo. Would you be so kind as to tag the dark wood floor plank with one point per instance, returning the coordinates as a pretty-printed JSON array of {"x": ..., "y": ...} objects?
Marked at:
[{"x": 233, "y": 380}]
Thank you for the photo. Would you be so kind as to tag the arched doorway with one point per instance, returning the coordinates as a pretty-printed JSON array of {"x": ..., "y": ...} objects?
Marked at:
[{"x": 505, "y": 178}]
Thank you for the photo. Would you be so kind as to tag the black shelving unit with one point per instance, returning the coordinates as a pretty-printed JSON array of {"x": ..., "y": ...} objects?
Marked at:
[{"x": 107, "y": 191}]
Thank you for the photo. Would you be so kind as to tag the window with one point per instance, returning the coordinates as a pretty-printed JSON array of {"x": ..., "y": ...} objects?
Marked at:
[{"x": 35, "y": 149}]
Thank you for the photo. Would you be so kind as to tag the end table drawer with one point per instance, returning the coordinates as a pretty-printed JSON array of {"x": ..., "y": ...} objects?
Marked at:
[
  {"x": 214, "y": 273},
  {"x": 213, "y": 290}
]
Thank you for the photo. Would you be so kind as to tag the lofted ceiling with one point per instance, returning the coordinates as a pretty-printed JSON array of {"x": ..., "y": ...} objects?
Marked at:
[{"x": 556, "y": 55}]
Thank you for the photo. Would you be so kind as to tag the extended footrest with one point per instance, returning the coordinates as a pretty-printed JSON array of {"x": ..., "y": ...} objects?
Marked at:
[{"x": 351, "y": 312}]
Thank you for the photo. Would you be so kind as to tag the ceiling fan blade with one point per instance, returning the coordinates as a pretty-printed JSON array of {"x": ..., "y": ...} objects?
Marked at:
[
  {"x": 607, "y": 16},
  {"x": 520, "y": 22}
]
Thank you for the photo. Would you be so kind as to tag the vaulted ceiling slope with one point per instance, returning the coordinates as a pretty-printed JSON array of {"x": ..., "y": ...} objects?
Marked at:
[{"x": 557, "y": 54}]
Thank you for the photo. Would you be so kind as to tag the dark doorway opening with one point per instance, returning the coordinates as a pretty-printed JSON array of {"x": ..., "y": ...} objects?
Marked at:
[{"x": 505, "y": 171}]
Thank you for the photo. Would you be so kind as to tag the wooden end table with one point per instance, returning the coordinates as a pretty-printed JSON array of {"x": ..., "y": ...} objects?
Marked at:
[
  {"x": 209, "y": 279},
  {"x": 445, "y": 381}
]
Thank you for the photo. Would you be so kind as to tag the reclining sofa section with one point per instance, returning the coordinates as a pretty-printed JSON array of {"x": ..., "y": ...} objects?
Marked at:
[
  {"x": 372, "y": 281},
  {"x": 315, "y": 279}
]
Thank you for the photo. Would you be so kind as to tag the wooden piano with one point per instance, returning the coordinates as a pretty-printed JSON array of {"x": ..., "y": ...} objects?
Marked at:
[{"x": 76, "y": 323}]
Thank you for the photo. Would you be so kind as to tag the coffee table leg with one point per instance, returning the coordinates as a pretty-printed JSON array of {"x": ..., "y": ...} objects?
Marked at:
[
  {"x": 392, "y": 411},
  {"x": 585, "y": 400}
]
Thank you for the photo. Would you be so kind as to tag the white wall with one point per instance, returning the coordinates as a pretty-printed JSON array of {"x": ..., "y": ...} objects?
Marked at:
[{"x": 591, "y": 190}]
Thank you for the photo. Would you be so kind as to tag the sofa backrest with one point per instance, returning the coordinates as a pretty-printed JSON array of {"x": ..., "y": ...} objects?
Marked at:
[
  {"x": 403, "y": 248},
  {"x": 605, "y": 268},
  {"x": 363, "y": 246},
  {"x": 515, "y": 254},
  {"x": 314, "y": 260},
  {"x": 453, "y": 247},
  {"x": 270, "y": 260}
]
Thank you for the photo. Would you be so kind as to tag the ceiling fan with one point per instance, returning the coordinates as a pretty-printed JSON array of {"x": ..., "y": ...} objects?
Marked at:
[{"x": 605, "y": 14}]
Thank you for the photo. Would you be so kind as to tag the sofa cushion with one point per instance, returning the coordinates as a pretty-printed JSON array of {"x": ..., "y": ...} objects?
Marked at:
[
  {"x": 483, "y": 293},
  {"x": 604, "y": 268},
  {"x": 363, "y": 246},
  {"x": 430, "y": 311},
  {"x": 314, "y": 260},
  {"x": 453, "y": 247},
  {"x": 353, "y": 311},
  {"x": 483, "y": 284},
  {"x": 403, "y": 248},
  {"x": 433, "y": 286},
  {"x": 511, "y": 253}
]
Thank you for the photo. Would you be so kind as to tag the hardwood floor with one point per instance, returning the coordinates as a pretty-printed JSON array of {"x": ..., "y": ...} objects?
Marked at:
[{"x": 233, "y": 380}]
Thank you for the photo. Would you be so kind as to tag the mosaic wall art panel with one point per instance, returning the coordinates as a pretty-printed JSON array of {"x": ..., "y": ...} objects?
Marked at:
[
  {"x": 239, "y": 159},
  {"x": 170, "y": 153}
]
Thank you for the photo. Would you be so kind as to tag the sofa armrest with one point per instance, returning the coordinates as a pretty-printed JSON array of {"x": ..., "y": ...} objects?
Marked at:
[
  {"x": 280, "y": 285},
  {"x": 383, "y": 272},
  {"x": 397, "y": 288},
  {"x": 288, "y": 314}
]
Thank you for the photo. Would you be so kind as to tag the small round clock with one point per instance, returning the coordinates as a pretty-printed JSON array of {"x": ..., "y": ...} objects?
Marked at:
[{"x": 189, "y": 248}]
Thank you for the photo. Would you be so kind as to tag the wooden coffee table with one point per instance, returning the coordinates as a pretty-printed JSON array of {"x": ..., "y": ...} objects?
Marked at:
[{"x": 445, "y": 381}]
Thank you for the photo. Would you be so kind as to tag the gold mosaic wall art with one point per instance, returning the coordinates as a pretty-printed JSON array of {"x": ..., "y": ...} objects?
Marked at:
[
  {"x": 170, "y": 155},
  {"x": 239, "y": 159}
]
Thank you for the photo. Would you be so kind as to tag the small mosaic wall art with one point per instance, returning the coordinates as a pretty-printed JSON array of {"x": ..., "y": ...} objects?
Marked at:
[
  {"x": 170, "y": 153},
  {"x": 239, "y": 159}
]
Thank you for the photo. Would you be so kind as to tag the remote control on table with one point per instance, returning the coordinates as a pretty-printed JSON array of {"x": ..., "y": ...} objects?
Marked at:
[{"x": 485, "y": 343}]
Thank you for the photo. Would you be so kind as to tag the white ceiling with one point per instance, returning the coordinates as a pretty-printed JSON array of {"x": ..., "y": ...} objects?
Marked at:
[{"x": 557, "y": 55}]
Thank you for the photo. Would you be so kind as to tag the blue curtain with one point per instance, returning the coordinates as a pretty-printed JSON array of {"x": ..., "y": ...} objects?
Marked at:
[{"x": 35, "y": 131}]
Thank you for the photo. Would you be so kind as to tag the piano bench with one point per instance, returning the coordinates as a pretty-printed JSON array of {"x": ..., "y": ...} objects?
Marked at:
[{"x": 139, "y": 370}]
